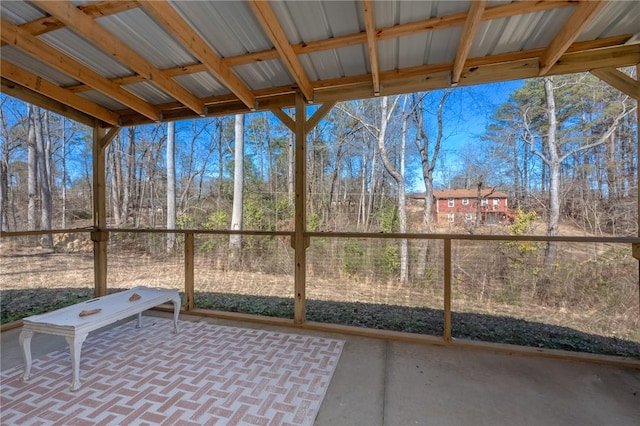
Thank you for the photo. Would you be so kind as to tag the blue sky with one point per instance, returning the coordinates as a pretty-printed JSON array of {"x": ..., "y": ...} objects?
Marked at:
[{"x": 466, "y": 117}]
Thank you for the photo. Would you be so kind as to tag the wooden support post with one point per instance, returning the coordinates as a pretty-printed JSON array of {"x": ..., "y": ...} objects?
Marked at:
[
  {"x": 101, "y": 139},
  {"x": 99, "y": 214},
  {"x": 189, "y": 287},
  {"x": 300, "y": 245},
  {"x": 447, "y": 290}
]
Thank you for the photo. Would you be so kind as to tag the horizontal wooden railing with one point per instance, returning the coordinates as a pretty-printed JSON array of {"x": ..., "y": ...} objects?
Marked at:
[{"x": 447, "y": 239}]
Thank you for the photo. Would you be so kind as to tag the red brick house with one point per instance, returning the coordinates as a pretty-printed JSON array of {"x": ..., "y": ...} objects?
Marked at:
[{"x": 460, "y": 206}]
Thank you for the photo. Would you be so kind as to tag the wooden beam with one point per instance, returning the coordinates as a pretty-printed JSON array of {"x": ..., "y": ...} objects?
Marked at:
[
  {"x": 50, "y": 90},
  {"x": 269, "y": 22},
  {"x": 466, "y": 40},
  {"x": 85, "y": 26},
  {"x": 284, "y": 118},
  {"x": 189, "y": 271},
  {"x": 107, "y": 138},
  {"x": 619, "y": 80},
  {"x": 319, "y": 115},
  {"x": 370, "y": 26},
  {"x": 169, "y": 18},
  {"x": 458, "y": 19},
  {"x": 584, "y": 13},
  {"x": 501, "y": 67},
  {"x": 95, "y": 10},
  {"x": 99, "y": 208},
  {"x": 569, "y": 63},
  {"x": 27, "y": 95},
  {"x": 484, "y": 60},
  {"x": 44, "y": 52},
  {"x": 299, "y": 239}
]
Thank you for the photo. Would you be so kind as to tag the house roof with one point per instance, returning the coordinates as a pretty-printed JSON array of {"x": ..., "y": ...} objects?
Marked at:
[
  {"x": 129, "y": 62},
  {"x": 467, "y": 193}
]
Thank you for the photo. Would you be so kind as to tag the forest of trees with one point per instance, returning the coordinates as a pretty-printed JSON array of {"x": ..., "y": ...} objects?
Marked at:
[{"x": 564, "y": 147}]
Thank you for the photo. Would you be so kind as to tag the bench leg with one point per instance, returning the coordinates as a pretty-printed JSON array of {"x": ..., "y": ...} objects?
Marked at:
[
  {"x": 139, "y": 324},
  {"x": 75, "y": 346},
  {"x": 25, "y": 343},
  {"x": 176, "y": 312}
]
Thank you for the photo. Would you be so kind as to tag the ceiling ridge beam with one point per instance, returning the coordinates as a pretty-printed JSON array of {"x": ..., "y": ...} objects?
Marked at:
[
  {"x": 370, "y": 26},
  {"x": 471, "y": 25},
  {"x": 38, "y": 84},
  {"x": 584, "y": 13},
  {"x": 24, "y": 41},
  {"x": 269, "y": 22},
  {"x": 84, "y": 25},
  {"x": 171, "y": 20},
  {"x": 94, "y": 10}
]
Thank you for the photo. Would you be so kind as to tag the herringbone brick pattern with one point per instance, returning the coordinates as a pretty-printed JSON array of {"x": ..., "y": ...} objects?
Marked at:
[{"x": 206, "y": 375}]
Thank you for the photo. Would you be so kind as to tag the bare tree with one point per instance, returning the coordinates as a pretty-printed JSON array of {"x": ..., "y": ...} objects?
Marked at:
[
  {"x": 429, "y": 149},
  {"x": 171, "y": 184},
  {"x": 32, "y": 167},
  {"x": 553, "y": 155},
  {"x": 235, "y": 241}
]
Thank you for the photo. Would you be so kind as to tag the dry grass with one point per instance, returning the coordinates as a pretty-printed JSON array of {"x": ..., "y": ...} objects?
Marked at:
[{"x": 34, "y": 281}]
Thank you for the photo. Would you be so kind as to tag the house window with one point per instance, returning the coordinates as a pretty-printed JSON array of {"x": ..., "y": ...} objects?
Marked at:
[
  {"x": 451, "y": 217},
  {"x": 484, "y": 202},
  {"x": 465, "y": 201},
  {"x": 451, "y": 202},
  {"x": 468, "y": 216},
  {"x": 496, "y": 202}
]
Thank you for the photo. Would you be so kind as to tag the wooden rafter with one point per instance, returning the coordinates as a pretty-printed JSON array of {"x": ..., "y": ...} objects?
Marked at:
[
  {"x": 584, "y": 13},
  {"x": 25, "y": 94},
  {"x": 484, "y": 60},
  {"x": 169, "y": 18},
  {"x": 370, "y": 26},
  {"x": 44, "y": 87},
  {"x": 269, "y": 22},
  {"x": 468, "y": 34},
  {"x": 458, "y": 19},
  {"x": 19, "y": 38},
  {"x": 84, "y": 25},
  {"x": 94, "y": 10},
  {"x": 620, "y": 81},
  {"x": 426, "y": 77}
]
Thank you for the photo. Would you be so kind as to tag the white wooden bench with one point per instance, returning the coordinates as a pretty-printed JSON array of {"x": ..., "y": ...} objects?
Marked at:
[{"x": 69, "y": 323}]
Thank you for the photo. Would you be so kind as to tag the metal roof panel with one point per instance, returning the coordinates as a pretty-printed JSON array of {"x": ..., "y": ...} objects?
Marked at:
[
  {"x": 29, "y": 63},
  {"x": 19, "y": 12},
  {"x": 86, "y": 53},
  {"x": 229, "y": 27},
  {"x": 202, "y": 83},
  {"x": 149, "y": 92},
  {"x": 137, "y": 30},
  {"x": 100, "y": 99}
]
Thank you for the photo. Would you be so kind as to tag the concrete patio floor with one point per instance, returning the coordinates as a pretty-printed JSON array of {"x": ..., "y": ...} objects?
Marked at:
[{"x": 387, "y": 383}]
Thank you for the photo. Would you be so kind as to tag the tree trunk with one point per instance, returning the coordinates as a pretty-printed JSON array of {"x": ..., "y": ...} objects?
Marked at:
[
  {"x": 171, "y": 184},
  {"x": 398, "y": 177},
  {"x": 235, "y": 241},
  {"x": 46, "y": 208},
  {"x": 554, "y": 184},
  {"x": 32, "y": 178}
]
